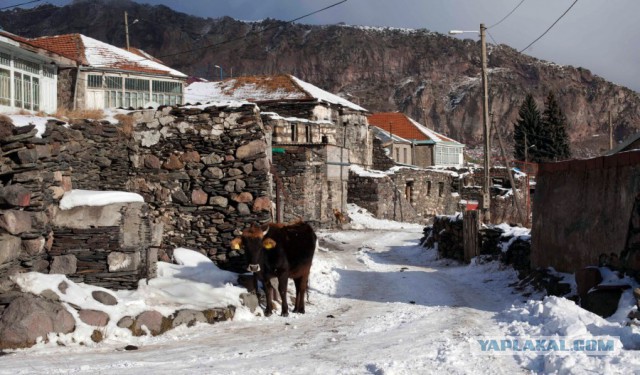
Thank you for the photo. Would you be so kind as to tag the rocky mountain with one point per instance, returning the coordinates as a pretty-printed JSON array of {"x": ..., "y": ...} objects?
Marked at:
[{"x": 429, "y": 76}]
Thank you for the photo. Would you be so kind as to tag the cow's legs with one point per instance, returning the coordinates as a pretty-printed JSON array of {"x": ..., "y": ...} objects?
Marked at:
[
  {"x": 268, "y": 291},
  {"x": 301, "y": 288},
  {"x": 283, "y": 280}
]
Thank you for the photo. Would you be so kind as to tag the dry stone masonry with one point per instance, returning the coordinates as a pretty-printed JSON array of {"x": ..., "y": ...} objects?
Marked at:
[{"x": 204, "y": 174}]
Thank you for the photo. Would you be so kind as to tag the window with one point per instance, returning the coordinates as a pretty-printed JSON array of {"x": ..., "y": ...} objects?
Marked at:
[
  {"x": 447, "y": 155},
  {"x": 27, "y": 66},
  {"x": 294, "y": 133},
  {"x": 308, "y": 134},
  {"x": 440, "y": 189},
  {"x": 94, "y": 81},
  {"x": 404, "y": 152},
  {"x": 17, "y": 94},
  {"x": 408, "y": 191},
  {"x": 5, "y": 59},
  {"x": 428, "y": 187},
  {"x": 5, "y": 87},
  {"x": 397, "y": 155}
]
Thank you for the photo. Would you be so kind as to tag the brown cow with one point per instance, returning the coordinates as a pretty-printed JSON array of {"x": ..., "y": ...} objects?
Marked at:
[{"x": 281, "y": 251}]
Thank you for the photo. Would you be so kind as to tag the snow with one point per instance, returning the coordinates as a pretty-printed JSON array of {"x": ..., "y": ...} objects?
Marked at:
[
  {"x": 230, "y": 90},
  {"x": 25, "y": 120},
  {"x": 78, "y": 197},
  {"x": 101, "y": 54},
  {"x": 516, "y": 233},
  {"x": 378, "y": 303},
  {"x": 325, "y": 96}
]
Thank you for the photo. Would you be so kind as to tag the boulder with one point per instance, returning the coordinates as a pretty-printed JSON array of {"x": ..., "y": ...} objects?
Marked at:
[
  {"x": 10, "y": 247},
  {"x": 199, "y": 197},
  {"x": 188, "y": 317},
  {"x": 153, "y": 320},
  {"x": 250, "y": 149},
  {"x": 28, "y": 318},
  {"x": 15, "y": 195},
  {"x": 94, "y": 317},
  {"x": 125, "y": 322},
  {"x": 64, "y": 264},
  {"x": 104, "y": 298},
  {"x": 15, "y": 222}
]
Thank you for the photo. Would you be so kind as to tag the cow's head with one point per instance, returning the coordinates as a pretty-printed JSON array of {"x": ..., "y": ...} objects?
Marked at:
[{"x": 254, "y": 243}]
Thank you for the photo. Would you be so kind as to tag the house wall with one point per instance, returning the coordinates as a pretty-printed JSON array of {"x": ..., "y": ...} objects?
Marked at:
[
  {"x": 408, "y": 194},
  {"x": 94, "y": 98},
  {"x": 423, "y": 155},
  {"x": 402, "y": 153},
  {"x": 380, "y": 160},
  {"x": 310, "y": 183},
  {"x": 18, "y": 63},
  {"x": 66, "y": 87},
  {"x": 358, "y": 138},
  {"x": 581, "y": 209}
]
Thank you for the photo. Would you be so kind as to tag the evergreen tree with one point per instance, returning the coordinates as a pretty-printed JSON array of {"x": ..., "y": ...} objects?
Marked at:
[
  {"x": 555, "y": 124},
  {"x": 529, "y": 127}
]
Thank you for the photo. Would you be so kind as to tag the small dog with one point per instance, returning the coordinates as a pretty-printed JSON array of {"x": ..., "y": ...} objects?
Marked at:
[{"x": 340, "y": 217}]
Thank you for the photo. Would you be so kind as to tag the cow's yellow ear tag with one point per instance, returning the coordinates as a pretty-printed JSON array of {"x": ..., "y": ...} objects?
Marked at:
[
  {"x": 236, "y": 243},
  {"x": 269, "y": 244}
]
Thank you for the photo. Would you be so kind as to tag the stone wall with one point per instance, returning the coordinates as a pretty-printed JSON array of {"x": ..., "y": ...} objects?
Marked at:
[
  {"x": 582, "y": 209},
  {"x": 66, "y": 87},
  {"x": 381, "y": 161},
  {"x": 423, "y": 155},
  {"x": 35, "y": 172},
  {"x": 406, "y": 194},
  {"x": 307, "y": 186},
  {"x": 204, "y": 174}
]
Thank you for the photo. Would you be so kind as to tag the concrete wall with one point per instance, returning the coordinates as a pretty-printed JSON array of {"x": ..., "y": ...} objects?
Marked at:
[{"x": 582, "y": 209}]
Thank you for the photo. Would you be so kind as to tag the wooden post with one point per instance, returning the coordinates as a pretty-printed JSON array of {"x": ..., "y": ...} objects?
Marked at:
[
  {"x": 516, "y": 197},
  {"x": 470, "y": 237}
]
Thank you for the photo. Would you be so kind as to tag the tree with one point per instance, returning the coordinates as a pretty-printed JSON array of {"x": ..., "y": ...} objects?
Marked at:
[
  {"x": 526, "y": 130},
  {"x": 555, "y": 123}
]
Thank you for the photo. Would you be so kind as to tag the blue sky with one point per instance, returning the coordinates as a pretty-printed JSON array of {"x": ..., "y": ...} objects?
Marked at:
[{"x": 600, "y": 35}]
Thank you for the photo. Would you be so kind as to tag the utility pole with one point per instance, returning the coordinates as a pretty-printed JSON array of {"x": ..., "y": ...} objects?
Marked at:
[
  {"x": 126, "y": 29},
  {"x": 486, "y": 199},
  {"x": 610, "y": 132}
]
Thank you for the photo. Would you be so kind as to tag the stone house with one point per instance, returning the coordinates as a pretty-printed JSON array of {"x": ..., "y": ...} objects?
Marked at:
[
  {"x": 428, "y": 148},
  {"x": 397, "y": 148},
  {"x": 315, "y": 137},
  {"x": 104, "y": 76},
  {"x": 28, "y": 75}
]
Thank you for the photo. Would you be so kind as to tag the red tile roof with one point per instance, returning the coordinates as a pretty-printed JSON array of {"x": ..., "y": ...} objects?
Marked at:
[
  {"x": 69, "y": 46},
  {"x": 402, "y": 126},
  {"x": 94, "y": 53}
]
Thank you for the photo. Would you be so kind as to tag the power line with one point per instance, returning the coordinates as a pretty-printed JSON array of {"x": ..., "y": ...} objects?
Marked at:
[
  {"x": 17, "y": 5},
  {"x": 550, "y": 27},
  {"x": 253, "y": 32},
  {"x": 507, "y": 16}
]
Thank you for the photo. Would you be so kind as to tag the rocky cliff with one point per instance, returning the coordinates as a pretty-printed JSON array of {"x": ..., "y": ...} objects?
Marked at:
[{"x": 431, "y": 77}]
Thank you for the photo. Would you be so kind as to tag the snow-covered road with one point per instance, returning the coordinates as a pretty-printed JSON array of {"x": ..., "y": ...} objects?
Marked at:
[{"x": 379, "y": 304}]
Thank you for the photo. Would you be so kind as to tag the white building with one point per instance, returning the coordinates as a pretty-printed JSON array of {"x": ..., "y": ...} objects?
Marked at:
[
  {"x": 106, "y": 76},
  {"x": 28, "y": 75}
]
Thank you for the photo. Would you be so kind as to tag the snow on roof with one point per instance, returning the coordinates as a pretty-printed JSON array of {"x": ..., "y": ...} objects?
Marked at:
[
  {"x": 97, "y": 54},
  {"x": 263, "y": 89},
  {"x": 326, "y": 96}
]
